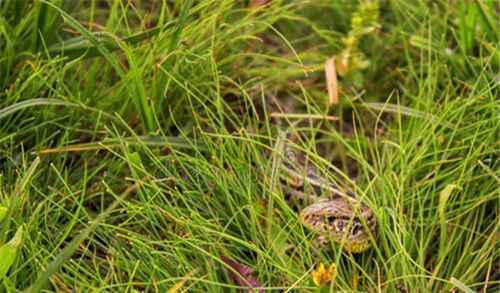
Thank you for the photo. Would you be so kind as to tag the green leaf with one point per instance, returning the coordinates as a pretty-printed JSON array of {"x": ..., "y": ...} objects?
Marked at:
[
  {"x": 8, "y": 252},
  {"x": 3, "y": 212}
]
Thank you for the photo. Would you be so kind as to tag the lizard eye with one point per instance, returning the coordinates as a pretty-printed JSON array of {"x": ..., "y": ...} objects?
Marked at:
[
  {"x": 331, "y": 219},
  {"x": 335, "y": 224},
  {"x": 356, "y": 229}
]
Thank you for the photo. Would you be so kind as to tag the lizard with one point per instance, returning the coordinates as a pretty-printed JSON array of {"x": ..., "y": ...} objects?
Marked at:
[{"x": 335, "y": 213}]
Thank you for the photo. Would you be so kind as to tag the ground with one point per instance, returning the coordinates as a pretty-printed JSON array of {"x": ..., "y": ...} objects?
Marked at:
[{"x": 135, "y": 142}]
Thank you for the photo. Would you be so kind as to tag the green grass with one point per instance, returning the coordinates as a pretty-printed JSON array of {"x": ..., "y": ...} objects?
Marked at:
[{"x": 133, "y": 137}]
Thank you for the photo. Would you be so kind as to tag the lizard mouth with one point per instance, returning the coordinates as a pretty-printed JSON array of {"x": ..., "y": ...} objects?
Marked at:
[{"x": 334, "y": 224}]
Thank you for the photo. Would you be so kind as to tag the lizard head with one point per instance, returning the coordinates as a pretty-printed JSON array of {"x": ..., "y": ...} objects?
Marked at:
[{"x": 338, "y": 219}]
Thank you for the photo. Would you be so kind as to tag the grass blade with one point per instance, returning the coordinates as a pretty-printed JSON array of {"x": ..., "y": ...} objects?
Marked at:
[
  {"x": 461, "y": 285},
  {"x": 31, "y": 103},
  {"x": 174, "y": 42},
  {"x": 406, "y": 111},
  {"x": 47, "y": 102},
  {"x": 157, "y": 141},
  {"x": 491, "y": 26},
  {"x": 78, "y": 46}
]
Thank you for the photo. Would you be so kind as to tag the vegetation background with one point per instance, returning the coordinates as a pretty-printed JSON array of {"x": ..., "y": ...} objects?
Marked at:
[{"x": 133, "y": 137}]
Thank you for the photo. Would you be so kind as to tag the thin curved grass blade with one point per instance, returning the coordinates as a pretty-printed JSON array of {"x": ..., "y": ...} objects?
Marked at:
[
  {"x": 158, "y": 141},
  {"x": 47, "y": 102},
  {"x": 406, "y": 111},
  {"x": 81, "y": 46}
]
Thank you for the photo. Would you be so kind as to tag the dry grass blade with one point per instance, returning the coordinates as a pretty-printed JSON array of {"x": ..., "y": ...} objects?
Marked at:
[
  {"x": 303, "y": 116},
  {"x": 331, "y": 81},
  {"x": 178, "y": 286}
]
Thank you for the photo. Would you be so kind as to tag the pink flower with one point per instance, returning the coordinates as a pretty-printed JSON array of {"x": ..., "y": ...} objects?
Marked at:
[{"x": 244, "y": 276}]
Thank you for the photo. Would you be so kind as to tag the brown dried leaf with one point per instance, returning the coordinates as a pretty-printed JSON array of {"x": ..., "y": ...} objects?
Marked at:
[{"x": 257, "y": 3}]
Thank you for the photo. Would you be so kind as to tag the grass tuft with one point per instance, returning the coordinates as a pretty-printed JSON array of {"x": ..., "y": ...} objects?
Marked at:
[{"x": 139, "y": 143}]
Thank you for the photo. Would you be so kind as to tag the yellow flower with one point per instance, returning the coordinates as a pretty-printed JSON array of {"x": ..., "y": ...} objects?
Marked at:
[{"x": 322, "y": 276}]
